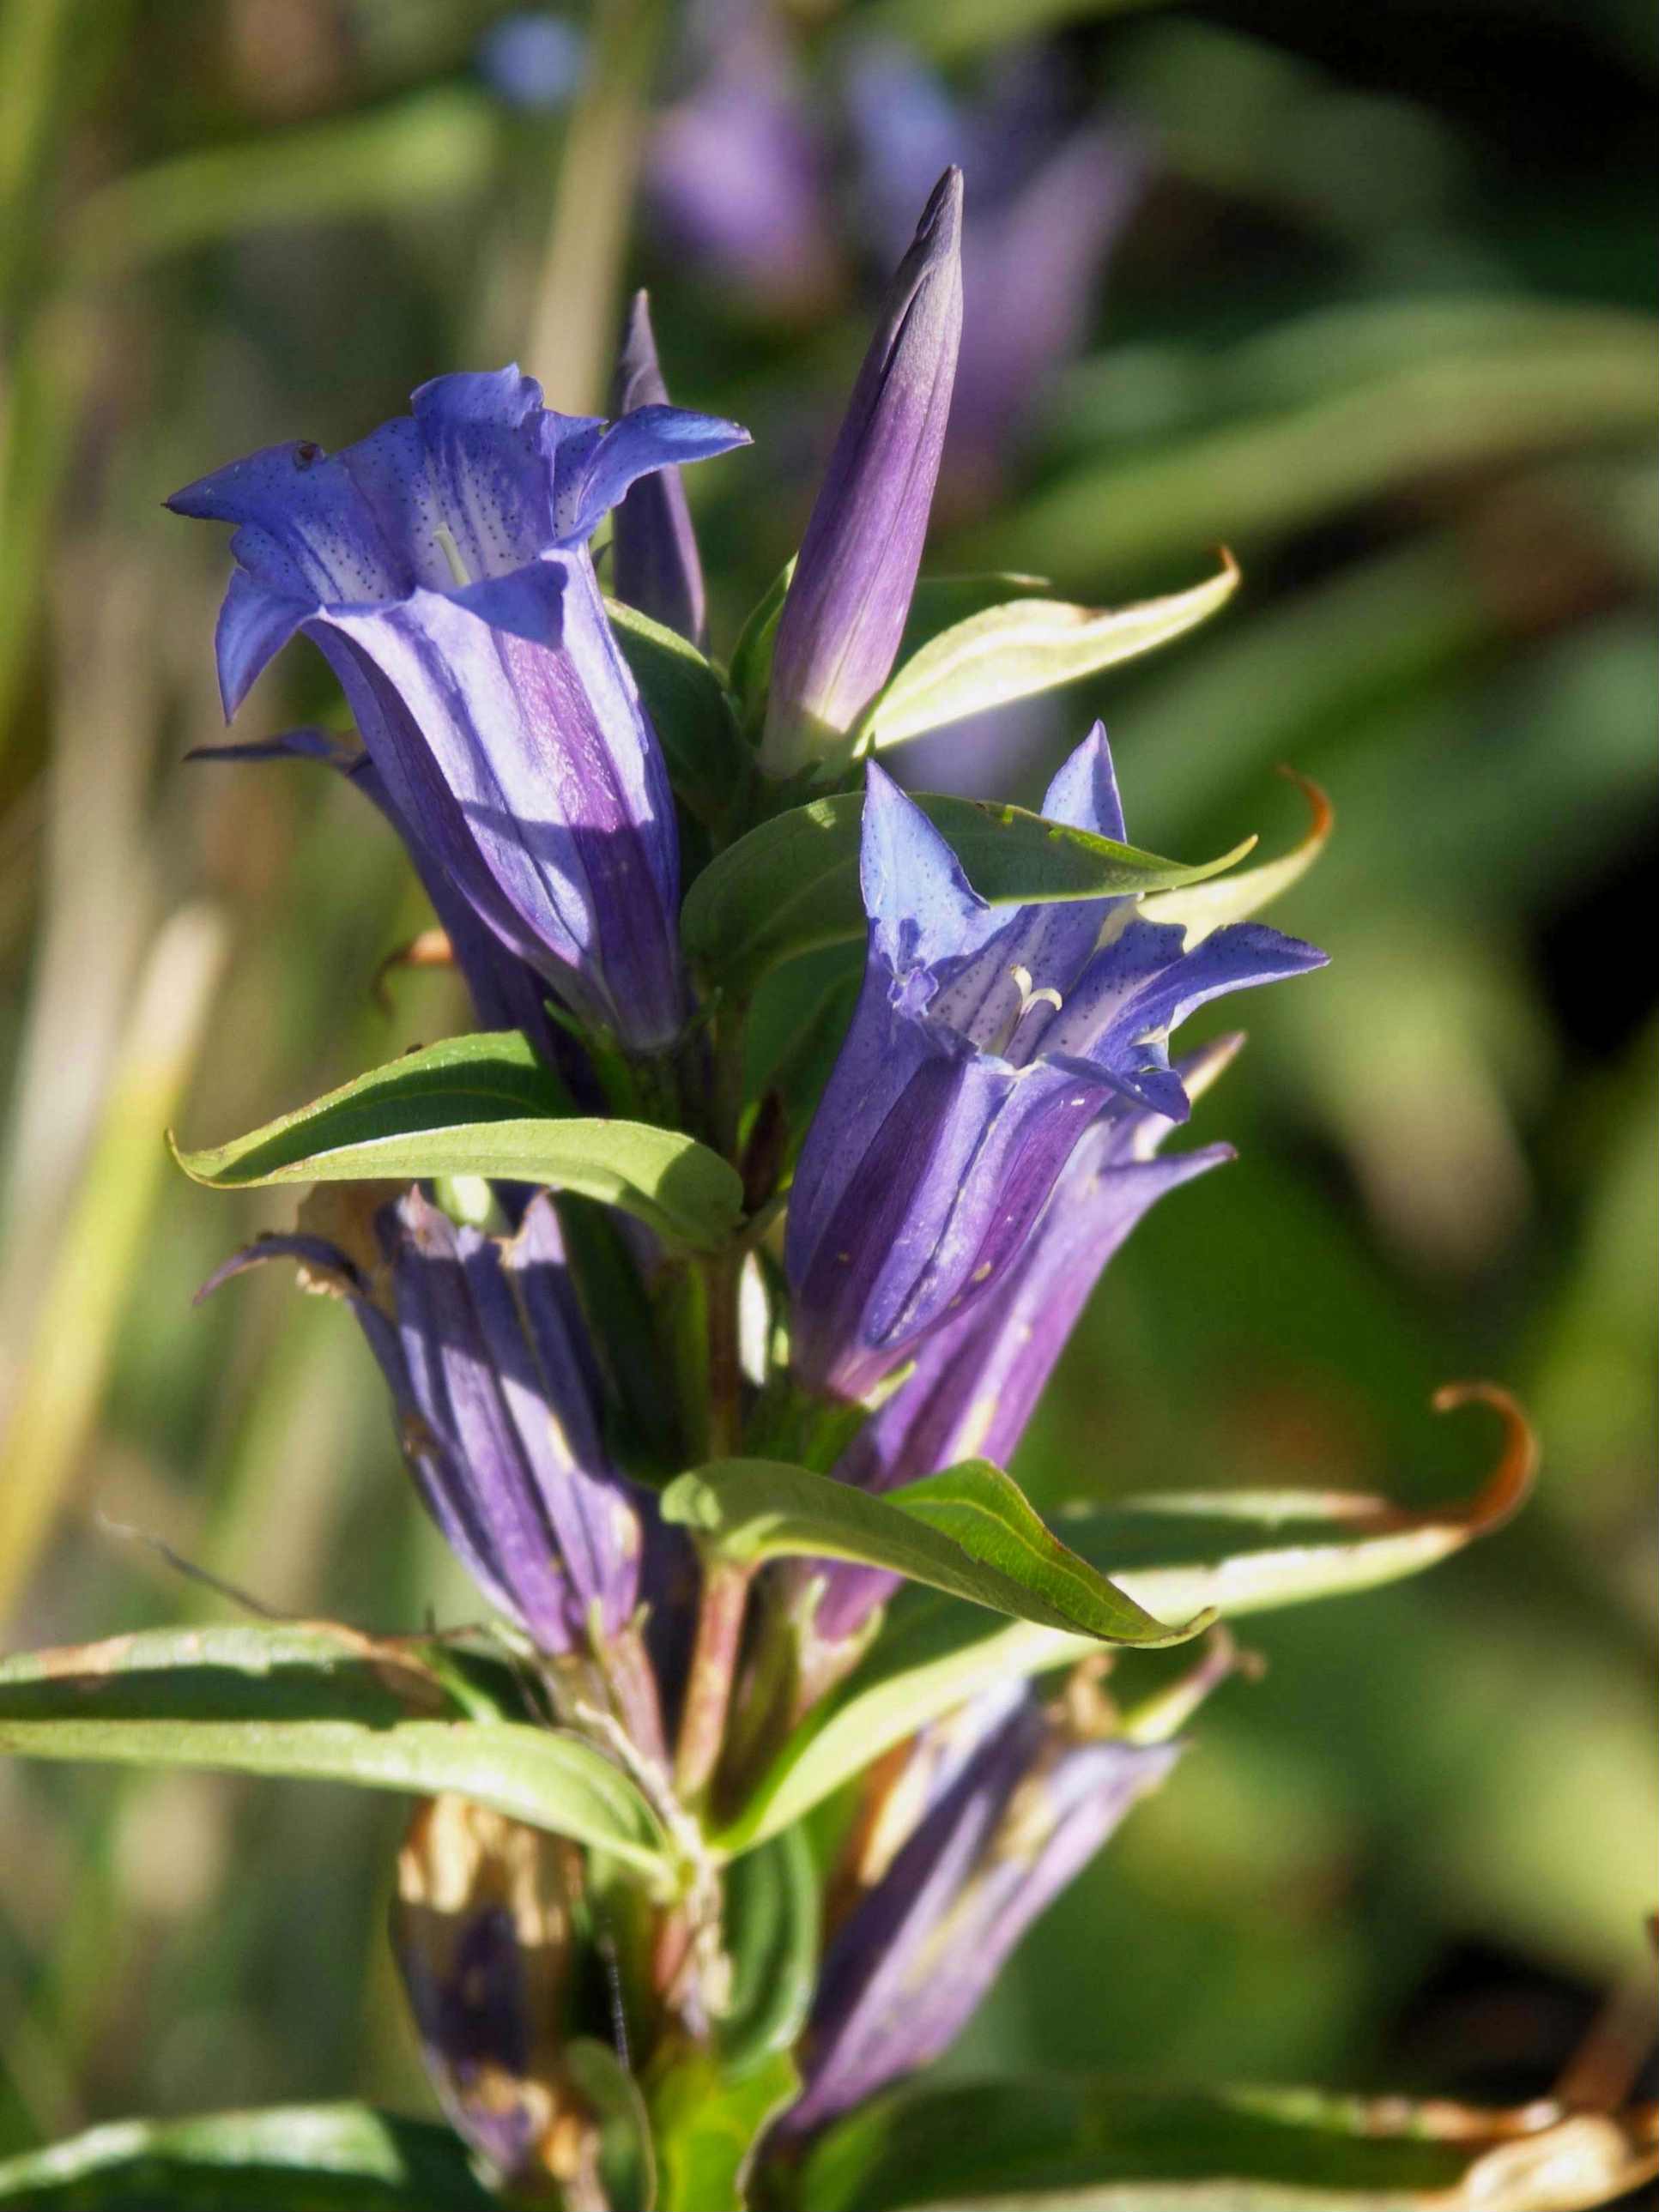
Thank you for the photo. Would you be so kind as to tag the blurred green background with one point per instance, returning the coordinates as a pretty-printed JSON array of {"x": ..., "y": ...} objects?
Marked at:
[{"x": 1378, "y": 314}]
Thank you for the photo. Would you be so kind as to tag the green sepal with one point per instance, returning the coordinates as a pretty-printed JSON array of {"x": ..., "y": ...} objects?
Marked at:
[
  {"x": 751, "y": 657},
  {"x": 770, "y": 1933}
]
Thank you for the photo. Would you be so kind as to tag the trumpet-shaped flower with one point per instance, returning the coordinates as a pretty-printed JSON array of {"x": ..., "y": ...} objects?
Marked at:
[
  {"x": 983, "y": 1044},
  {"x": 484, "y": 1348},
  {"x": 843, "y": 617},
  {"x": 441, "y": 566},
  {"x": 976, "y": 1380}
]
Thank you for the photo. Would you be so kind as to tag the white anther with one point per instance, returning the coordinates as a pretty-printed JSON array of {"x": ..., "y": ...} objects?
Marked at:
[
  {"x": 1047, "y": 996},
  {"x": 444, "y": 538}
]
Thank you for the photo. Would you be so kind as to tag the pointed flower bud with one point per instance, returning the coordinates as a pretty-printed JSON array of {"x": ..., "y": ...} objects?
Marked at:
[
  {"x": 440, "y": 564},
  {"x": 985, "y": 1041},
  {"x": 845, "y": 614},
  {"x": 1013, "y": 1804},
  {"x": 977, "y": 1379},
  {"x": 482, "y": 1932},
  {"x": 653, "y": 549},
  {"x": 1049, "y": 205},
  {"x": 484, "y": 1350}
]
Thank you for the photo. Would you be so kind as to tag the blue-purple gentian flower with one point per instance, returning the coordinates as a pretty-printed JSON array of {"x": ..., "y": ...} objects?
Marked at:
[
  {"x": 983, "y": 1044},
  {"x": 654, "y": 563},
  {"x": 1009, "y": 1801},
  {"x": 844, "y": 615},
  {"x": 441, "y": 566},
  {"x": 976, "y": 1380},
  {"x": 486, "y": 1355}
]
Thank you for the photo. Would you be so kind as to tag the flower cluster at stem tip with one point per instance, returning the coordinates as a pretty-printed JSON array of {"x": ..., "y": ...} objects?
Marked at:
[{"x": 923, "y": 1232}]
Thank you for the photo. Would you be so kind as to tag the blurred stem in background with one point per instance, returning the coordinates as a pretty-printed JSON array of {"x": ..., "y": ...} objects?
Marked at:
[
  {"x": 34, "y": 69},
  {"x": 575, "y": 314},
  {"x": 98, "y": 1261}
]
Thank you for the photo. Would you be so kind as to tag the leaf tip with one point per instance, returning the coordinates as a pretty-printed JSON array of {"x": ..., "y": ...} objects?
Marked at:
[
  {"x": 189, "y": 1162},
  {"x": 1507, "y": 1487}
]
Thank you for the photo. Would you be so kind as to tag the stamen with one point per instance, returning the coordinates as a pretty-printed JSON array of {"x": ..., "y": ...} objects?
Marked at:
[
  {"x": 445, "y": 539},
  {"x": 1047, "y": 996}
]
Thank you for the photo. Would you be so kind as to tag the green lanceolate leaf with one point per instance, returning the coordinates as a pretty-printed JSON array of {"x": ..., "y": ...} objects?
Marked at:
[
  {"x": 314, "y": 1700},
  {"x": 1201, "y": 908},
  {"x": 707, "y": 2123},
  {"x": 708, "y": 761},
  {"x": 1096, "y": 2146},
  {"x": 483, "y": 1106},
  {"x": 1239, "y": 1552},
  {"x": 940, "y": 603},
  {"x": 294, "y": 2158},
  {"x": 1008, "y": 652},
  {"x": 751, "y": 657},
  {"x": 969, "y": 1531},
  {"x": 791, "y": 885},
  {"x": 770, "y": 1933}
]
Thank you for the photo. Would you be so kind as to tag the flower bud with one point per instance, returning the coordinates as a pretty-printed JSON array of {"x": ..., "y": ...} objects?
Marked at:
[
  {"x": 842, "y": 623},
  {"x": 1013, "y": 1803},
  {"x": 481, "y": 1930},
  {"x": 486, "y": 1354},
  {"x": 653, "y": 550}
]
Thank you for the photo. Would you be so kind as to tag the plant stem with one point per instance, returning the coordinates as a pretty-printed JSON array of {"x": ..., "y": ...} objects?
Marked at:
[
  {"x": 725, "y": 1587},
  {"x": 709, "y": 1684}
]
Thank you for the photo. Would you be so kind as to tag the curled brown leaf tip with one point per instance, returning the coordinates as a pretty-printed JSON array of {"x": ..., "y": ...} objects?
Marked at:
[
  {"x": 1319, "y": 805},
  {"x": 1505, "y": 1488}
]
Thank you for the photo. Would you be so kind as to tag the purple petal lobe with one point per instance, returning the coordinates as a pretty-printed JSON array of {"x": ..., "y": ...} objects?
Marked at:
[
  {"x": 651, "y": 438},
  {"x": 922, "y": 908},
  {"x": 255, "y": 623},
  {"x": 1084, "y": 793}
]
